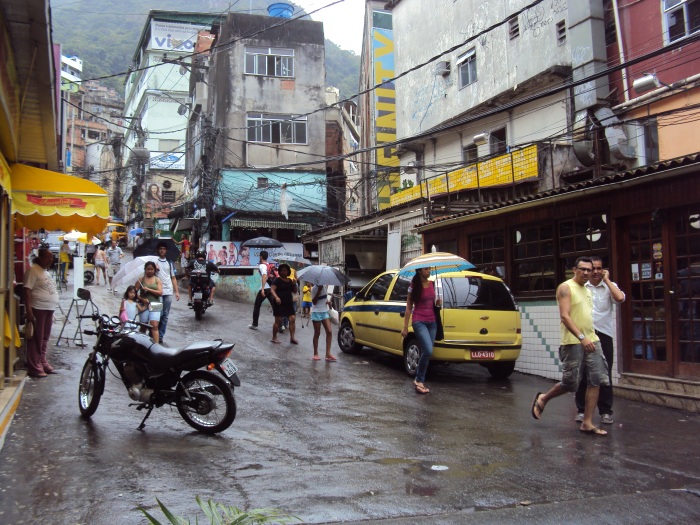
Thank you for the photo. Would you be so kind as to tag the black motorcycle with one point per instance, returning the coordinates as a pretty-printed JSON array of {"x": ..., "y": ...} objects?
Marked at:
[
  {"x": 155, "y": 375},
  {"x": 201, "y": 289}
]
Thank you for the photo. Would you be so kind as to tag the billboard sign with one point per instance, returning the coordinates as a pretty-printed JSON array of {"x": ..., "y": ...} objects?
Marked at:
[{"x": 174, "y": 36}]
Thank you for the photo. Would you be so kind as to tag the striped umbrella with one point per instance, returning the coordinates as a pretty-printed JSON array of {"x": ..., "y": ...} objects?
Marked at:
[{"x": 439, "y": 262}]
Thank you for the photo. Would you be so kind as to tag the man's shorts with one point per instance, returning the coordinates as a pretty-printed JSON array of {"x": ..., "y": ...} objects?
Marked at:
[
  {"x": 113, "y": 269},
  {"x": 306, "y": 304},
  {"x": 576, "y": 363}
]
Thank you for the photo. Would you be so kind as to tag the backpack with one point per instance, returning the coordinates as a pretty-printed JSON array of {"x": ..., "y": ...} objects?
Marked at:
[{"x": 271, "y": 272}]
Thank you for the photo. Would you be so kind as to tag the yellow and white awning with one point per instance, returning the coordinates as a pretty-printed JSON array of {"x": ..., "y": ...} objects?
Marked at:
[{"x": 56, "y": 201}]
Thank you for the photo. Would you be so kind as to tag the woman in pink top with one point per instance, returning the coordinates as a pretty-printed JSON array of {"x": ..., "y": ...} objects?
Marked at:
[{"x": 419, "y": 305}]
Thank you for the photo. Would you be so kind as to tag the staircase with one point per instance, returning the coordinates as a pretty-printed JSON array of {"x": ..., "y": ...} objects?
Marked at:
[{"x": 672, "y": 393}]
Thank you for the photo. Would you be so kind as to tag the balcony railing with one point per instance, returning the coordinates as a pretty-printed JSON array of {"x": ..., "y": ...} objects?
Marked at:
[{"x": 516, "y": 166}]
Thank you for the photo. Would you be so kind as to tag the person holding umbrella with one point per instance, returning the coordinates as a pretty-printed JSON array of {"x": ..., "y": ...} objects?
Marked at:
[
  {"x": 420, "y": 306},
  {"x": 320, "y": 316},
  {"x": 282, "y": 291}
]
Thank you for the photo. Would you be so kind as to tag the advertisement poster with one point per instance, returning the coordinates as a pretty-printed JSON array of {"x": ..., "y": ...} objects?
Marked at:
[{"x": 232, "y": 255}]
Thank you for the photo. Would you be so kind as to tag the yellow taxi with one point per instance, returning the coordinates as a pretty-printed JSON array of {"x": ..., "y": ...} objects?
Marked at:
[{"x": 480, "y": 319}]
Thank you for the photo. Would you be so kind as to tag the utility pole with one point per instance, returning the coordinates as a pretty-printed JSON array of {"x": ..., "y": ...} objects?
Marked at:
[
  {"x": 208, "y": 179},
  {"x": 117, "y": 193}
]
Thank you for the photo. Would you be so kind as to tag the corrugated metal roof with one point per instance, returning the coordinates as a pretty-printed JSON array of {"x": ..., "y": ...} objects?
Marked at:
[{"x": 28, "y": 24}]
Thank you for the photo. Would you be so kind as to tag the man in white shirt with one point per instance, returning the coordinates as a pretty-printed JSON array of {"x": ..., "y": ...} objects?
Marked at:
[
  {"x": 166, "y": 273},
  {"x": 605, "y": 295},
  {"x": 265, "y": 291},
  {"x": 114, "y": 258}
]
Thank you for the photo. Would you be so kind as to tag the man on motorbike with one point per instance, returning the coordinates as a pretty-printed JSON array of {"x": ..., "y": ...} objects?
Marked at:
[{"x": 202, "y": 265}]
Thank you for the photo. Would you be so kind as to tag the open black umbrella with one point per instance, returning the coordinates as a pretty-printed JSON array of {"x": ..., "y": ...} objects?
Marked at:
[
  {"x": 262, "y": 242},
  {"x": 149, "y": 248}
]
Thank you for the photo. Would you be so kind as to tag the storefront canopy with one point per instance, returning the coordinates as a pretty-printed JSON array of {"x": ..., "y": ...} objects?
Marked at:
[{"x": 55, "y": 201}]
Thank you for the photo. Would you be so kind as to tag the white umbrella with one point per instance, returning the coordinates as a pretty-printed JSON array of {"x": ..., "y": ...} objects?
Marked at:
[
  {"x": 322, "y": 275},
  {"x": 133, "y": 270}
]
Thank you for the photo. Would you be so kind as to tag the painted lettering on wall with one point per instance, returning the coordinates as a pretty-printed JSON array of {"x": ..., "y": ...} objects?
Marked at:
[{"x": 385, "y": 114}]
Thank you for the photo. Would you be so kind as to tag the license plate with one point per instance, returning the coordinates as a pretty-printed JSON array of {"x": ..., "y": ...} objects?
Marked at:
[
  {"x": 229, "y": 367},
  {"x": 197, "y": 295},
  {"x": 483, "y": 354}
]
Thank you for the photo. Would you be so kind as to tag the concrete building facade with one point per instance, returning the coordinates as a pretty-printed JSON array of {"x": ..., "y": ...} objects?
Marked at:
[
  {"x": 522, "y": 147},
  {"x": 260, "y": 125}
]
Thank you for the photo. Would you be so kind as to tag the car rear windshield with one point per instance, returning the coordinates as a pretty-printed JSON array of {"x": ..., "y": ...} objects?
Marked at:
[{"x": 475, "y": 293}]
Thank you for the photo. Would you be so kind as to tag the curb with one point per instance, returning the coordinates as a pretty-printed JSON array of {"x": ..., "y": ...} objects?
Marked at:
[{"x": 9, "y": 401}]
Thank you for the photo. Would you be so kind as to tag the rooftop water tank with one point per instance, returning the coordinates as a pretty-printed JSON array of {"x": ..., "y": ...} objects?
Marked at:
[{"x": 281, "y": 10}]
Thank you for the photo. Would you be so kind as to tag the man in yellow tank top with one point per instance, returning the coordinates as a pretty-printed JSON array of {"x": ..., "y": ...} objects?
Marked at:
[{"x": 580, "y": 352}]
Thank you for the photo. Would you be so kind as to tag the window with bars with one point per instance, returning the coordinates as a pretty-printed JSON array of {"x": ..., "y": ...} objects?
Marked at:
[
  {"x": 513, "y": 28},
  {"x": 534, "y": 259},
  {"x": 582, "y": 237},
  {"x": 561, "y": 32},
  {"x": 682, "y": 18},
  {"x": 269, "y": 61},
  {"x": 470, "y": 154},
  {"x": 467, "y": 68},
  {"x": 488, "y": 253},
  {"x": 276, "y": 129}
]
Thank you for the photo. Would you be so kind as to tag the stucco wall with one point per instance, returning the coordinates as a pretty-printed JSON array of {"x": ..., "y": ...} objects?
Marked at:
[
  {"x": 238, "y": 93},
  {"x": 425, "y": 99}
]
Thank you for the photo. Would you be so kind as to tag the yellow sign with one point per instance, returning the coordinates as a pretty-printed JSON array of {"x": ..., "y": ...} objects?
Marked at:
[{"x": 513, "y": 167}]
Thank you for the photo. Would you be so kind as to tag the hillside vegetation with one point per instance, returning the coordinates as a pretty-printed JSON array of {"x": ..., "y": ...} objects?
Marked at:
[{"x": 104, "y": 35}]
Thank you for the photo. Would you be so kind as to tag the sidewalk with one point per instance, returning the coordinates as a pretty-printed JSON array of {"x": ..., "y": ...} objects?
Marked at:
[{"x": 11, "y": 395}]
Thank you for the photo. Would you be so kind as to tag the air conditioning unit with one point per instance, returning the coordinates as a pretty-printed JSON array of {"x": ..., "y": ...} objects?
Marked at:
[{"x": 443, "y": 68}]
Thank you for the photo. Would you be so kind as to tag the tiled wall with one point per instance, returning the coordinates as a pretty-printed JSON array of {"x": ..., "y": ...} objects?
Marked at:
[{"x": 541, "y": 335}]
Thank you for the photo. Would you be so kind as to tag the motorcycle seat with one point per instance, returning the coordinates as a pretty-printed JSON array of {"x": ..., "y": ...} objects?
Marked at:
[{"x": 172, "y": 357}]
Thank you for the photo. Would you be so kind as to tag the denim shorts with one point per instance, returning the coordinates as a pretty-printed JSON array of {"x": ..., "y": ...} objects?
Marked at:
[{"x": 576, "y": 362}]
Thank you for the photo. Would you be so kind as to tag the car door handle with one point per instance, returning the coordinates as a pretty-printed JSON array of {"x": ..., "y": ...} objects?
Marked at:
[
  {"x": 402, "y": 314},
  {"x": 376, "y": 312}
]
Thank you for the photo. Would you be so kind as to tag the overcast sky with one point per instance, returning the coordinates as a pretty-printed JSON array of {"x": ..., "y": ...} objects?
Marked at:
[{"x": 342, "y": 23}]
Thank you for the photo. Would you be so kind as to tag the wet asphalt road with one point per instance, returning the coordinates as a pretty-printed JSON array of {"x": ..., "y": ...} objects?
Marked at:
[{"x": 342, "y": 442}]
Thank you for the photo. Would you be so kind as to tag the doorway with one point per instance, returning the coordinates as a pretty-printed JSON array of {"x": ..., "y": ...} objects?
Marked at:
[{"x": 661, "y": 270}]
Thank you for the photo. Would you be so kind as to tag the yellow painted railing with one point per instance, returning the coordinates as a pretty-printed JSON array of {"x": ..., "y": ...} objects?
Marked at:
[{"x": 515, "y": 166}]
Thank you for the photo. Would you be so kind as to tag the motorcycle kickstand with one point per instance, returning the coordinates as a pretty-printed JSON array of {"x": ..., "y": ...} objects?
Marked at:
[{"x": 143, "y": 421}]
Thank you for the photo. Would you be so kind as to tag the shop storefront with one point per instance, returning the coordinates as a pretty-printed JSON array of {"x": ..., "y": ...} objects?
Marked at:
[{"x": 644, "y": 223}]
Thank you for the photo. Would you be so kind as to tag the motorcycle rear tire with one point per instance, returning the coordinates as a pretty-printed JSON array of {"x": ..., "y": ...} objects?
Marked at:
[
  {"x": 92, "y": 381},
  {"x": 198, "y": 310},
  {"x": 206, "y": 415}
]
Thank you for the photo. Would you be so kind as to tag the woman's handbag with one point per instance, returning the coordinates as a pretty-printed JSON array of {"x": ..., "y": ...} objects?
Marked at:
[
  {"x": 28, "y": 330},
  {"x": 440, "y": 335}
]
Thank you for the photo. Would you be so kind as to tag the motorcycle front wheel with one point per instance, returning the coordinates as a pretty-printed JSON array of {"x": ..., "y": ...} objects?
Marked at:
[
  {"x": 205, "y": 401},
  {"x": 92, "y": 382}
]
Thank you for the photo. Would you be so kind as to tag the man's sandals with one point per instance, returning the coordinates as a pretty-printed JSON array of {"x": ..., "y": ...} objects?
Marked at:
[
  {"x": 420, "y": 388},
  {"x": 537, "y": 409}
]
